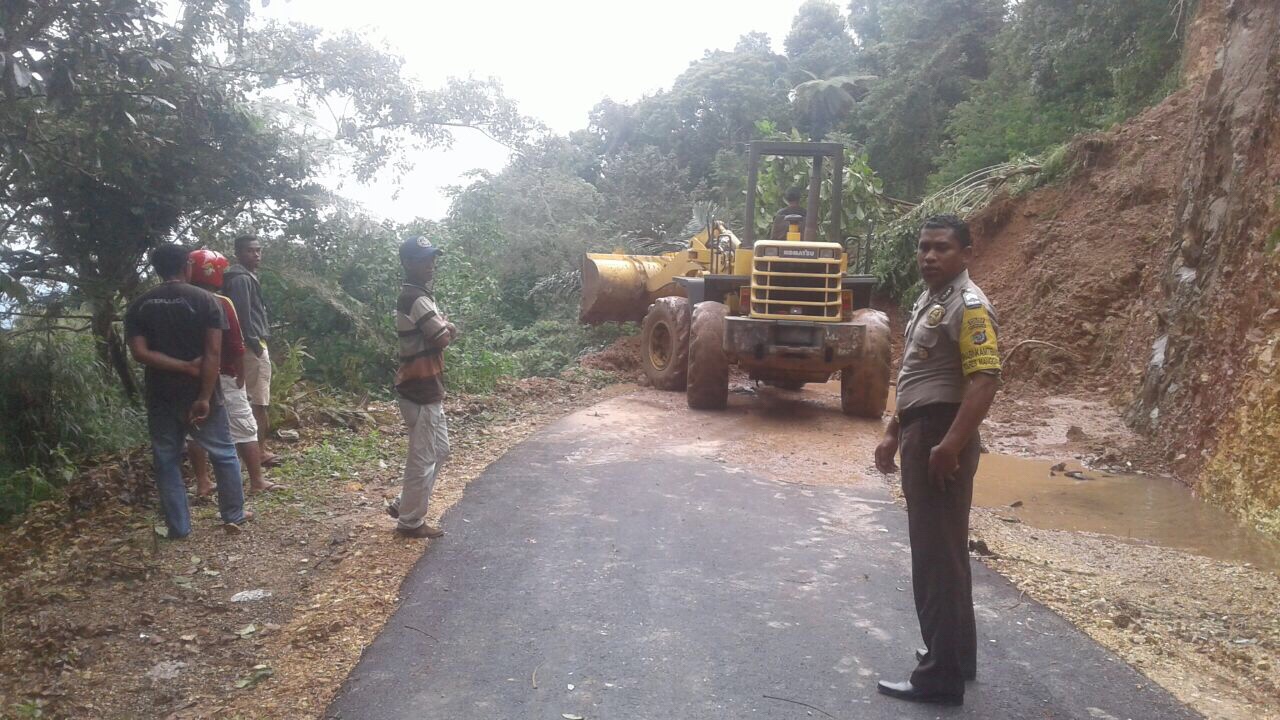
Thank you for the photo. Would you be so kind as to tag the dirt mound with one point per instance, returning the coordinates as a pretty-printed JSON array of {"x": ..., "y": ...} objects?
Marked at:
[
  {"x": 620, "y": 358},
  {"x": 1078, "y": 263}
]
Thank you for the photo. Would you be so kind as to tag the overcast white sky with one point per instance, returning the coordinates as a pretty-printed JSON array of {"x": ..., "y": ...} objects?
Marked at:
[{"x": 556, "y": 58}]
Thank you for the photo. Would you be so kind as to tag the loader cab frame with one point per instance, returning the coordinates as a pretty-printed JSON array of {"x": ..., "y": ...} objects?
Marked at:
[{"x": 817, "y": 152}]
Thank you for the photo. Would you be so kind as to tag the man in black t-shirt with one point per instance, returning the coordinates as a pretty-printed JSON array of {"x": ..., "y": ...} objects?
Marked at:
[
  {"x": 780, "y": 223},
  {"x": 175, "y": 330}
]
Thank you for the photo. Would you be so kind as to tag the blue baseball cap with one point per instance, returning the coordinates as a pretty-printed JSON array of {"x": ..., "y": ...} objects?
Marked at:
[{"x": 418, "y": 248}]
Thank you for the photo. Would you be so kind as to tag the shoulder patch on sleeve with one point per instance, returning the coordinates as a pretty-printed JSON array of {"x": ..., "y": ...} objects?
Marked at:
[
  {"x": 979, "y": 351},
  {"x": 971, "y": 300}
]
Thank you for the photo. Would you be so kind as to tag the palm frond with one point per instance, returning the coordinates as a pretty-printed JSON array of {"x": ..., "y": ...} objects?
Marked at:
[
  {"x": 970, "y": 193},
  {"x": 558, "y": 286}
]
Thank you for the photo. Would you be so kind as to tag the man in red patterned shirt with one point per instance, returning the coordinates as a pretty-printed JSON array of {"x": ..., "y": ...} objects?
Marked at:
[{"x": 204, "y": 270}]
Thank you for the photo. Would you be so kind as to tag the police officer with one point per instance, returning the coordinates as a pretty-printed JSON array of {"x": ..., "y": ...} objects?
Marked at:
[{"x": 949, "y": 377}]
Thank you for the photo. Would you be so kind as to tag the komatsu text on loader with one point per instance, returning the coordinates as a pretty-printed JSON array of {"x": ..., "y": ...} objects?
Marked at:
[{"x": 785, "y": 312}]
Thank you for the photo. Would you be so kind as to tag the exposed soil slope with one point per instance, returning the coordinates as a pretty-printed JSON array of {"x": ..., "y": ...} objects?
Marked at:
[
  {"x": 1077, "y": 262},
  {"x": 1154, "y": 267}
]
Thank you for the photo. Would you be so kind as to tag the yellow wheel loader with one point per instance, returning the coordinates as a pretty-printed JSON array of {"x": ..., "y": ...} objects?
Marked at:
[{"x": 786, "y": 312}]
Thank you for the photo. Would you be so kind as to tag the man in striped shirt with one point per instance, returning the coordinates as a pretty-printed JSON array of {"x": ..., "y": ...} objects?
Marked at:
[{"x": 424, "y": 334}]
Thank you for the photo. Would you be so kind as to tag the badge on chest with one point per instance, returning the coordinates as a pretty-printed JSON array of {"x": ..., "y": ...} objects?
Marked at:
[{"x": 934, "y": 317}]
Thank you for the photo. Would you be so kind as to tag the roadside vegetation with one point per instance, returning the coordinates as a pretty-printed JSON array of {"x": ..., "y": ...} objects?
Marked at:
[{"x": 127, "y": 128}]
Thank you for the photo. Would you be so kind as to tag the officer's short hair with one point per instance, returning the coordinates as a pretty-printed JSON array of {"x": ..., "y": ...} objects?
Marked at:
[
  {"x": 958, "y": 227},
  {"x": 243, "y": 241},
  {"x": 169, "y": 260},
  {"x": 794, "y": 194}
]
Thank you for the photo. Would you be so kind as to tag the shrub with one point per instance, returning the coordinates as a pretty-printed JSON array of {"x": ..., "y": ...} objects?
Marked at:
[{"x": 58, "y": 405}]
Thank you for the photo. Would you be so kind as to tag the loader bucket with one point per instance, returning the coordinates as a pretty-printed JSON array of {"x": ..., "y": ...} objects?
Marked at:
[{"x": 615, "y": 287}]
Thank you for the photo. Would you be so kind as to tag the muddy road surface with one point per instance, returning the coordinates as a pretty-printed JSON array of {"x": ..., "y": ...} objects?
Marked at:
[{"x": 639, "y": 560}]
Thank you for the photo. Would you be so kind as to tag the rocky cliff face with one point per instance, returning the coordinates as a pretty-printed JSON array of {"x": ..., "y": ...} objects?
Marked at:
[
  {"x": 1211, "y": 391},
  {"x": 1155, "y": 267}
]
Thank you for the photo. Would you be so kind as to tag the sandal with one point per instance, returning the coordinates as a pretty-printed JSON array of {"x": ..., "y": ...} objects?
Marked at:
[
  {"x": 271, "y": 461},
  {"x": 235, "y": 528},
  {"x": 270, "y": 487}
]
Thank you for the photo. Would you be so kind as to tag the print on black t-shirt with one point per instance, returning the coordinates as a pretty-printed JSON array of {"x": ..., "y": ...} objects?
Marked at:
[{"x": 173, "y": 318}]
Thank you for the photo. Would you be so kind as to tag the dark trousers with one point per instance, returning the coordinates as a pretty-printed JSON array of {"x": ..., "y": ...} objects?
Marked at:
[{"x": 939, "y": 530}]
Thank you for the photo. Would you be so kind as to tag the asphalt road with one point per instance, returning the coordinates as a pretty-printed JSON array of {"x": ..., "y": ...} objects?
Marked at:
[{"x": 580, "y": 581}]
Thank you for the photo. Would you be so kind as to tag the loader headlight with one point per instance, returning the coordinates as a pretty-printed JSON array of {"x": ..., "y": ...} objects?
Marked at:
[
  {"x": 769, "y": 252},
  {"x": 827, "y": 253}
]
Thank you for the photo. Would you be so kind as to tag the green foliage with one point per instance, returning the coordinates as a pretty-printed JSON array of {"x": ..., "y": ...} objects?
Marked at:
[
  {"x": 32, "y": 484},
  {"x": 894, "y": 261},
  {"x": 927, "y": 54},
  {"x": 56, "y": 407},
  {"x": 1060, "y": 68},
  {"x": 862, "y": 201},
  {"x": 29, "y": 710},
  {"x": 819, "y": 44},
  {"x": 711, "y": 106},
  {"x": 286, "y": 371},
  {"x": 126, "y": 128},
  {"x": 473, "y": 368},
  {"x": 312, "y": 472},
  {"x": 357, "y": 341},
  {"x": 550, "y": 345},
  {"x": 822, "y": 104}
]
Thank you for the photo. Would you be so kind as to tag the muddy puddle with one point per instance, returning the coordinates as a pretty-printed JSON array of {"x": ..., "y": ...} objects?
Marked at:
[{"x": 1140, "y": 508}]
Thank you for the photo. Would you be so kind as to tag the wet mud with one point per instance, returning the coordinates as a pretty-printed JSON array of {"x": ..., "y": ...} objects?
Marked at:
[{"x": 1142, "y": 508}]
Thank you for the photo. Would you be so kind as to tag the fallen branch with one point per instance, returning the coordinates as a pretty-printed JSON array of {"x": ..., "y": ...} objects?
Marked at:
[
  {"x": 803, "y": 704},
  {"x": 1042, "y": 343},
  {"x": 424, "y": 632}
]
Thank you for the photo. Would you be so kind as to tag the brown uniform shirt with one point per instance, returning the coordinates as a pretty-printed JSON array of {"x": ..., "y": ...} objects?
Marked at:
[{"x": 950, "y": 336}]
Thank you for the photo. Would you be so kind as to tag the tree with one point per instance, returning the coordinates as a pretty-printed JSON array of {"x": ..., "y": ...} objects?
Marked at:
[
  {"x": 754, "y": 42},
  {"x": 864, "y": 20},
  {"x": 712, "y": 105},
  {"x": 122, "y": 129},
  {"x": 1060, "y": 68},
  {"x": 819, "y": 43},
  {"x": 928, "y": 54},
  {"x": 822, "y": 105},
  {"x": 643, "y": 194}
]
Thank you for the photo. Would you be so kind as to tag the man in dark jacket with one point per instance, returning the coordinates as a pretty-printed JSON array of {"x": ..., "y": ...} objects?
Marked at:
[{"x": 242, "y": 286}]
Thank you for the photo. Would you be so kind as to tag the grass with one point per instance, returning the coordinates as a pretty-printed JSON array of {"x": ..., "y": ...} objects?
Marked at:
[{"x": 338, "y": 457}]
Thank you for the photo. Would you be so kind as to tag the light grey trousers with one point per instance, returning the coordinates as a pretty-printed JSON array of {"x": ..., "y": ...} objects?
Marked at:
[{"x": 428, "y": 449}]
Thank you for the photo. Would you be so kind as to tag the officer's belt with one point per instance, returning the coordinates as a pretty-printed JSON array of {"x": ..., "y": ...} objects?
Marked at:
[{"x": 910, "y": 415}]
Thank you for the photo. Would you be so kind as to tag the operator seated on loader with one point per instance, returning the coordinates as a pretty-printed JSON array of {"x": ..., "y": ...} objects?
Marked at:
[{"x": 793, "y": 208}]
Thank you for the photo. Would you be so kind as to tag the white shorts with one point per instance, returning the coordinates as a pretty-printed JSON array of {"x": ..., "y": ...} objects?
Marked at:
[
  {"x": 257, "y": 376},
  {"x": 244, "y": 428}
]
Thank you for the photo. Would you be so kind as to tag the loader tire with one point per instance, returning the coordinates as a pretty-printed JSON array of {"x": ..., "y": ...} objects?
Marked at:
[
  {"x": 864, "y": 386},
  {"x": 708, "y": 387},
  {"x": 664, "y": 343}
]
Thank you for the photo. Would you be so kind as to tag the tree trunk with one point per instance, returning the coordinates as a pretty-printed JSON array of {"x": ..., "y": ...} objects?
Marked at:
[{"x": 110, "y": 346}]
